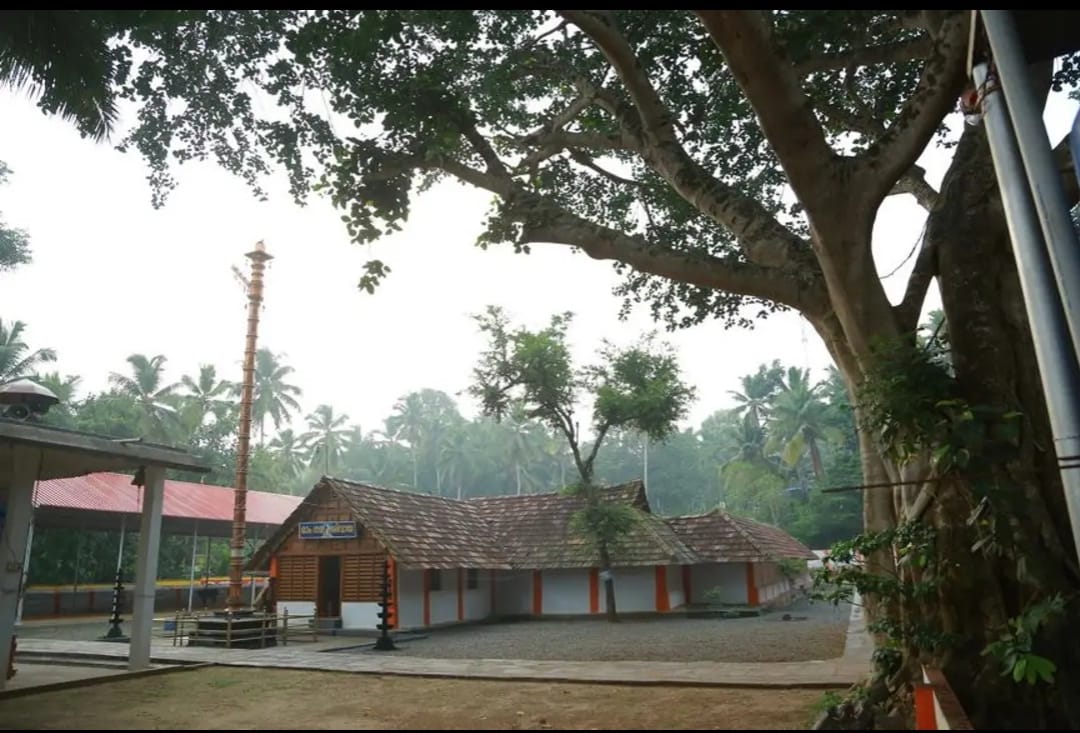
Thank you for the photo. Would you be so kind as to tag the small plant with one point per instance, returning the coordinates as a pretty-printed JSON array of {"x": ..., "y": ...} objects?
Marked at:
[
  {"x": 828, "y": 701},
  {"x": 1014, "y": 647},
  {"x": 791, "y": 568}
]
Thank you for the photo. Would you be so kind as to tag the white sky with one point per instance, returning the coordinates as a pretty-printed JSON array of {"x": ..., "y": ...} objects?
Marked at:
[{"x": 111, "y": 276}]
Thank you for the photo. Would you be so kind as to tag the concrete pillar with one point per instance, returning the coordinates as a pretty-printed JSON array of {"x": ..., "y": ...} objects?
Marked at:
[
  {"x": 26, "y": 567},
  {"x": 19, "y": 515},
  {"x": 146, "y": 568}
]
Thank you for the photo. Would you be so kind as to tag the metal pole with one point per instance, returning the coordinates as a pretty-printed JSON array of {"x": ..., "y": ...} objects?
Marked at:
[
  {"x": 115, "y": 632},
  {"x": 120, "y": 552},
  {"x": 1058, "y": 366},
  {"x": 26, "y": 572},
  {"x": 645, "y": 467},
  {"x": 1037, "y": 155},
  {"x": 258, "y": 258},
  {"x": 191, "y": 580}
]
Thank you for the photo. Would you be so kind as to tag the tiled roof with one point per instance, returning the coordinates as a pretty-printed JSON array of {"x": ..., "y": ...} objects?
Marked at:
[
  {"x": 721, "y": 537},
  {"x": 535, "y": 531},
  {"x": 420, "y": 530},
  {"x": 773, "y": 541}
]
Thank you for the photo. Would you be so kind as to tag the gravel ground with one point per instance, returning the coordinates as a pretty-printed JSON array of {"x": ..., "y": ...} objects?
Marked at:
[
  {"x": 816, "y": 631},
  {"x": 68, "y": 629}
]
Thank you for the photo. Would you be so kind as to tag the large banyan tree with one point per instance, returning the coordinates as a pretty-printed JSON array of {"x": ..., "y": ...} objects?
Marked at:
[{"x": 728, "y": 164}]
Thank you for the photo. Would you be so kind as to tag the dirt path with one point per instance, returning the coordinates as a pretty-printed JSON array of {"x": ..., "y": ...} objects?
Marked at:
[{"x": 234, "y": 698}]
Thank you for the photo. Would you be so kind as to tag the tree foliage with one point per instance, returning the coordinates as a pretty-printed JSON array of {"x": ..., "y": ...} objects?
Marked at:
[
  {"x": 14, "y": 243},
  {"x": 727, "y": 163},
  {"x": 637, "y": 389}
]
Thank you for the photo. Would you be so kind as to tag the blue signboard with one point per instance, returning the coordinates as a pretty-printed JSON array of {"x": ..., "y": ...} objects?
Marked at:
[{"x": 334, "y": 530}]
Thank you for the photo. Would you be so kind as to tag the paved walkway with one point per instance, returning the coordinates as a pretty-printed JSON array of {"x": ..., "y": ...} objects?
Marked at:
[{"x": 841, "y": 672}]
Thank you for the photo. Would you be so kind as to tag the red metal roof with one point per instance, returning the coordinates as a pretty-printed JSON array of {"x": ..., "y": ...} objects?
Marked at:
[{"x": 114, "y": 492}]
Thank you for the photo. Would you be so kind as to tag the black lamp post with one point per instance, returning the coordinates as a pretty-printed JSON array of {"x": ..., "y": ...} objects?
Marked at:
[{"x": 385, "y": 642}]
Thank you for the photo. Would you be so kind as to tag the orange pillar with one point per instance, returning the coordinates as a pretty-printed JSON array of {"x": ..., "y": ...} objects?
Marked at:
[
  {"x": 751, "y": 586},
  {"x": 393, "y": 609},
  {"x": 427, "y": 597},
  {"x": 663, "y": 603},
  {"x": 687, "y": 586},
  {"x": 460, "y": 594},
  {"x": 594, "y": 591},
  {"x": 538, "y": 593},
  {"x": 925, "y": 716}
]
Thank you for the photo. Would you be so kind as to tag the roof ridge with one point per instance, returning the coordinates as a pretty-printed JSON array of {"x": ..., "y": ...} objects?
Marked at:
[
  {"x": 366, "y": 520},
  {"x": 554, "y": 492},
  {"x": 377, "y": 487},
  {"x": 699, "y": 515},
  {"x": 654, "y": 522},
  {"x": 745, "y": 535}
]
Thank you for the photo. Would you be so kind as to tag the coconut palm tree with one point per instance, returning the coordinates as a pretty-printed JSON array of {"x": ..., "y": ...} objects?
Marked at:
[
  {"x": 290, "y": 453},
  {"x": 146, "y": 386},
  {"x": 407, "y": 424},
  {"x": 520, "y": 441},
  {"x": 65, "y": 58},
  {"x": 205, "y": 394},
  {"x": 64, "y": 387},
  {"x": 272, "y": 397},
  {"x": 757, "y": 389},
  {"x": 799, "y": 420},
  {"x": 16, "y": 359},
  {"x": 462, "y": 456},
  {"x": 326, "y": 436}
]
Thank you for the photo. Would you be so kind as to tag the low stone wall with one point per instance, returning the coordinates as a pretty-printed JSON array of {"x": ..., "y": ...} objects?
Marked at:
[{"x": 97, "y": 600}]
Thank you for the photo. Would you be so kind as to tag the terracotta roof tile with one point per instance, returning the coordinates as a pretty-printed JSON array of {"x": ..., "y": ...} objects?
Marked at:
[
  {"x": 421, "y": 530},
  {"x": 720, "y": 537},
  {"x": 534, "y": 531}
]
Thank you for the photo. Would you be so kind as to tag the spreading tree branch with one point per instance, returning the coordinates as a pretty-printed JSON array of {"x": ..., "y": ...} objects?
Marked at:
[
  {"x": 764, "y": 240},
  {"x": 762, "y": 70},
  {"x": 886, "y": 53},
  {"x": 550, "y": 144},
  {"x": 469, "y": 129},
  {"x": 914, "y": 182},
  {"x": 581, "y": 159},
  {"x": 601, "y": 433},
  {"x": 926, "y": 268},
  {"x": 600, "y": 25},
  {"x": 647, "y": 128},
  {"x": 544, "y": 221},
  {"x": 894, "y": 152}
]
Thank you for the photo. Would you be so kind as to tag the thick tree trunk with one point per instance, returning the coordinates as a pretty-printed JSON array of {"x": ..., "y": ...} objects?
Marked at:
[
  {"x": 980, "y": 590},
  {"x": 995, "y": 366}
]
